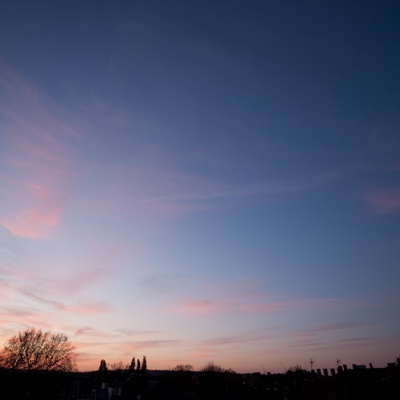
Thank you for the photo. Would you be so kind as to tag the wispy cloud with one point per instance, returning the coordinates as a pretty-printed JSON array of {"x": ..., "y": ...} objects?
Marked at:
[
  {"x": 176, "y": 192},
  {"x": 79, "y": 307},
  {"x": 36, "y": 163},
  {"x": 40, "y": 300},
  {"x": 338, "y": 326},
  {"x": 247, "y": 300},
  {"x": 94, "y": 333},
  {"x": 41, "y": 166},
  {"x": 247, "y": 336},
  {"x": 346, "y": 344},
  {"x": 133, "y": 332},
  {"x": 384, "y": 201},
  {"x": 319, "y": 337},
  {"x": 19, "y": 317},
  {"x": 200, "y": 307},
  {"x": 35, "y": 213}
]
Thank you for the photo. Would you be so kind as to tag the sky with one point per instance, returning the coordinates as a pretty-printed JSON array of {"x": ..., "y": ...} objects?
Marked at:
[{"x": 202, "y": 181}]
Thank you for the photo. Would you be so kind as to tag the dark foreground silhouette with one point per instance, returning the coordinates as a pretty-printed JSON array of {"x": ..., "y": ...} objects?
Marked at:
[{"x": 356, "y": 383}]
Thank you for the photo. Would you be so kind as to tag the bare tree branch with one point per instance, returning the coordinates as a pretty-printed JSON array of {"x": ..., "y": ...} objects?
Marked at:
[{"x": 34, "y": 349}]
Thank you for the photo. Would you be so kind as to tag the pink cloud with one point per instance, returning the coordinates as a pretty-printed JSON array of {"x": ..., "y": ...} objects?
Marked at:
[
  {"x": 301, "y": 335},
  {"x": 49, "y": 284},
  {"x": 17, "y": 318},
  {"x": 384, "y": 201},
  {"x": 206, "y": 353},
  {"x": 88, "y": 308},
  {"x": 37, "y": 164},
  {"x": 133, "y": 332},
  {"x": 255, "y": 335},
  {"x": 200, "y": 307},
  {"x": 247, "y": 301},
  {"x": 40, "y": 152},
  {"x": 39, "y": 209},
  {"x": 82, "y": 308},
  {"x": 94, "y": 333},
  {"x": 38, "y": 300},
  {"x": 80, "y": 281}
]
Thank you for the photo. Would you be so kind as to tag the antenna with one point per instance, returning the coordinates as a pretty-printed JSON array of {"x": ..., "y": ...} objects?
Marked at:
[
  {"x": 312, "y": 362},
  {"x": 262, "y": 366},
  {"x": 284, "y": 369},
  {"x": 338, "y": 362}
]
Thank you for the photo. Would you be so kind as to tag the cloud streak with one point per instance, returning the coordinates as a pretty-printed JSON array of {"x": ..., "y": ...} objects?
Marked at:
[
  {"x": 44, "y": 167},
  {"x": 37, "y": 161},
  {"x": 250, "y": 302},
  {"x": 384, "y": 201},
  {"x": 338, "y": 326}
]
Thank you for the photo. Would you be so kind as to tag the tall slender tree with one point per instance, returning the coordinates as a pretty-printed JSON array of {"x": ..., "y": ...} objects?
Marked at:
[
  {"x": 144, "y": 365},
  {"x": 138, "y": 366},
  {"x": 103, "y": 370},
  {"x": 133, "y": 365},
  {"x": 103, "y": 366}
]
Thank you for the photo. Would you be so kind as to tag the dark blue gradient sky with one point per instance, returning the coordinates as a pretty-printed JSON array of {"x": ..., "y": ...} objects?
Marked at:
[{"x": 197, "y": 181}]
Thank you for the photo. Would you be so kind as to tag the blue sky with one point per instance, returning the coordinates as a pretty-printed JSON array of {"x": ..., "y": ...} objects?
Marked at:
[{"x": 210, "y": 181}]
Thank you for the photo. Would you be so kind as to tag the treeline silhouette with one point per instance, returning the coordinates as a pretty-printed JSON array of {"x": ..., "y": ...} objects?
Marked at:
[
  {"x": 211, "y": 382},
  {"x": 27, "y": 373}
]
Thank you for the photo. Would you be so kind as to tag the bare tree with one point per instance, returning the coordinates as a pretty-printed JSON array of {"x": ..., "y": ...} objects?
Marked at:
[
  {"x": 181, "y": 378},
  {"x": 295, "y": 368},
  {"x": 397, "y": 362},
  {"x": 210, "y": 367},
  {"x": 183, "y": 368},
  {"x": 34, "y": 349},
  {"x": 213, "y": 379},
  {"x": 118, "y": 366}
]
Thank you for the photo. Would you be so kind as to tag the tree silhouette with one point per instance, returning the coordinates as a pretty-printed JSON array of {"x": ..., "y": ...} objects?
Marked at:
[
  {"x": 210, "y": 379},
  {"x": 103, "y": 371},
  {"x": 213, "y": 380},
  {"x": 183, "y": 368},
  {"x": 181, "y": 379},
  {"x": 118, "y": 366},
  {"x": 295, "y": 368},
  {"x": 138, "y": 366},
  {"x": 34, "y": 349},
  {"x": 144, "y": 365},
  {"x": 212, "y": 368},
  {"x": 132, "y": 366},
  {"x": 103, "y": 366}
]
